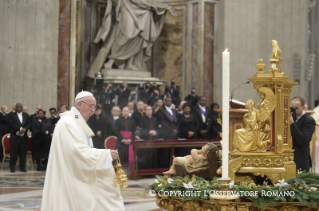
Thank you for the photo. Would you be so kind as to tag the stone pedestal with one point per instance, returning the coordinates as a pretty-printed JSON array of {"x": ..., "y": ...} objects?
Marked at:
[{"x": 117, "y": 76}]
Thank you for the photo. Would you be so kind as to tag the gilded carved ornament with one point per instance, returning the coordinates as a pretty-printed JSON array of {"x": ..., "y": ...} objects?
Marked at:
[{"x": 255, "y": 137}]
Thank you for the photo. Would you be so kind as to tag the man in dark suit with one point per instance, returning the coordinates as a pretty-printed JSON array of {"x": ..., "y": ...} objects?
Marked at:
[
  {"x": 146, "y": 93},
  {"x": 135, "y": 97},
  {"x": 174, "y": 91},
  {"x": 192, "y": 99},
  {"x": 139, "y": 113},
  {"x": 168, "y": 120},
  {"x": 97, "y": 123},
  {"x": 108, "y": 99},
  {"x": 302, "y": 129},
  {"x": 110, "y": 121},
  {"x": 123, "y": 94},
  {"x": 202, "y": 113},
  {"x": 54, "y": 117},
  {"x": 4, "y": 126},
  {"x": 152, "y": 100},
  {"x": 33, "y": 116},
  {"x": 19, "y": 124},
  {"x": 167, "y": 117}
]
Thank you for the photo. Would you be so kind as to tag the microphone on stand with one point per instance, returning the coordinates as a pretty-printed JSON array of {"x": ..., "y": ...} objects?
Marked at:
[{"x": 231, "y": 95}]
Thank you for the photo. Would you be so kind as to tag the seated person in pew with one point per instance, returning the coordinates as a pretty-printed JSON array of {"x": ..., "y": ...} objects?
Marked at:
[{"x": 190, "y": 159}]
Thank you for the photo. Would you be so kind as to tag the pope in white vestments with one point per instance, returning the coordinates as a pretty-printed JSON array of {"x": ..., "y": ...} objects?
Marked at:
[{"x": 79, "y": 177}]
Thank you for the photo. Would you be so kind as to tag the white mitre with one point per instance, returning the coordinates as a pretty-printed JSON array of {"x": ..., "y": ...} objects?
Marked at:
[{"x": 83, "y": 94}]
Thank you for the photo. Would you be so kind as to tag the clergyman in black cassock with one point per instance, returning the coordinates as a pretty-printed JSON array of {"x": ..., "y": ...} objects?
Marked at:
[
  {"x": 147, "y": 158},
  {"x": 127, "y": 124}
]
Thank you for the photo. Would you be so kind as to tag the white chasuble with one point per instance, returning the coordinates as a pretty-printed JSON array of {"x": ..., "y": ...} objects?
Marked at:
[{"x": 76, "y": 179}]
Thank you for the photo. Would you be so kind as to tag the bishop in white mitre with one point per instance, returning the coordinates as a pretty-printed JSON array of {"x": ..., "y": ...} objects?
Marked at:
[{"x": 79, "y": 177}]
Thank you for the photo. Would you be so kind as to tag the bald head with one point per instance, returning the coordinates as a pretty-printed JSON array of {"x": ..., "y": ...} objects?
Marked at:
[
  {"x": 125, "y": 112},
  {"x": 4, "y": 109}
]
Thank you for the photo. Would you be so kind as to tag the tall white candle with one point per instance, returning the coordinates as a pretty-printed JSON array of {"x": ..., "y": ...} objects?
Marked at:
[{"x": 225, "y": 107}]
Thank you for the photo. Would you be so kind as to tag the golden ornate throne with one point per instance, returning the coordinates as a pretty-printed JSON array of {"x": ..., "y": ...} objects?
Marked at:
[{"x": 264, "y": 146}]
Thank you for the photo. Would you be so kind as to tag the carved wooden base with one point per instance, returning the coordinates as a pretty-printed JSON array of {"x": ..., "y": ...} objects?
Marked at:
[
  {"x": 175, "y": 204},
  {"x": 273, "y": 165}
]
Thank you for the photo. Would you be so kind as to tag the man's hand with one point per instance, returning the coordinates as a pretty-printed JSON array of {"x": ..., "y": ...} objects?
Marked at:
[
  {"x": 99, "y": 133},
  {"x": 203, "y": 132},
  {"x": 114, "y": 153},
  {"x": 191, "y": 133},
  {"x": 127, "y": 141},
  {"x": 23, "y": 130},
  {"x": 291, "y": 119},
  {"x": 152, "y": 132}
]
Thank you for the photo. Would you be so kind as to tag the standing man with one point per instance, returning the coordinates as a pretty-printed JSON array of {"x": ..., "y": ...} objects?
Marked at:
[
  {"x": 110, "y": 121},
  {"x": 130, "y": 106},
  {"x": 123, "y": 94},
  {"x": 97, "y": 123},
  {"x": 108, "y": 99},
  {"x": 302, "y": 129},
  {"x": 174, "y": 91},
  {"x": 79, "y": 177},
  {"x": 192, "y": 99},
  {"x": 33, "y": 116},
  {"x": 135, "y": 96},
  {"x": 54, "y": 118},
  {"x": 167, "y": 118},
  {"x": 4, "y": 126},
  {"x": 149, "y": 131},
  {"x": 202, "y": 113},
  {"x": 139, "y": 114},
  {"x": 19, "y": 124}
]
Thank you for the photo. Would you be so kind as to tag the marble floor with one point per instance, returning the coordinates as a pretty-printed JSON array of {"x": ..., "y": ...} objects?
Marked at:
[{"x": 23, "y": 191}]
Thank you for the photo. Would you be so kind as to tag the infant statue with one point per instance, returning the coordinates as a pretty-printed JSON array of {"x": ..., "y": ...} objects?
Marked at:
[{"x": 190, "y": 159}]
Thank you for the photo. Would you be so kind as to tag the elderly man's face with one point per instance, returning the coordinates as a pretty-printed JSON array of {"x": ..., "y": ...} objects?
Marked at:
[
  {"x": 38, "y": 108},
  {"x": 87, "y": 107},
  {"x": 116, "y": 111},
  {"x": 125, "y": 112},
  {"x": 4, "y": 109}
]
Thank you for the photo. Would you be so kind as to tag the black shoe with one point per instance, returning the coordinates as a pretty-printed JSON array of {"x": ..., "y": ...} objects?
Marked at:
[
  {"x": 12, "y": 170},
  {"x": 39, "y": 168},
  {"x": 23, "y": 170}
]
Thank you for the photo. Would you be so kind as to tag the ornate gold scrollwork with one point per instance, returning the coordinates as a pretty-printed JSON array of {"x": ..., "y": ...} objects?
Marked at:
[{"x": 289, "y": 208}]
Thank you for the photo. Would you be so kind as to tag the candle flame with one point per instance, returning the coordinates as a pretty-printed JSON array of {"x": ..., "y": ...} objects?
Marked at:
[{"x": 226, "y": 50}]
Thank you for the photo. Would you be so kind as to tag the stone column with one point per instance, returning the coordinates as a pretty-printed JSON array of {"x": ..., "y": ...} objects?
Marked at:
[{"x": 64, "y": 51}]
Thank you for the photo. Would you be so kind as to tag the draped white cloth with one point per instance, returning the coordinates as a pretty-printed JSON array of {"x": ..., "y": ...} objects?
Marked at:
[
  {"x": 76, "y": 178},
  {"x": 314, "y": 144}
]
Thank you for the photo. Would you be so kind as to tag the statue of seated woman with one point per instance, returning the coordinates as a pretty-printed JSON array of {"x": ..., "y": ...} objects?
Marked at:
[
  {"x": 255, "y": 137},
  {"x": 195, "y": 161}
]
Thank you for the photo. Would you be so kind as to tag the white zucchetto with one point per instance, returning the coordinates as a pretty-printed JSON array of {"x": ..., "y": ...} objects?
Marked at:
[{"x": 83, "y": 94}]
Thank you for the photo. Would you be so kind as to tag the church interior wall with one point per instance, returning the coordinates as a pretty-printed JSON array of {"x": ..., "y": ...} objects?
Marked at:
[
  {"x": 29, "y": 52},
  {"x": 246, "y": 28}
]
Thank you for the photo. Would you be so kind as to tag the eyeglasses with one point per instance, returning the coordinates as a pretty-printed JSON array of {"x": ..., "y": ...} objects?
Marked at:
[{"x": 91, "y": 106}]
